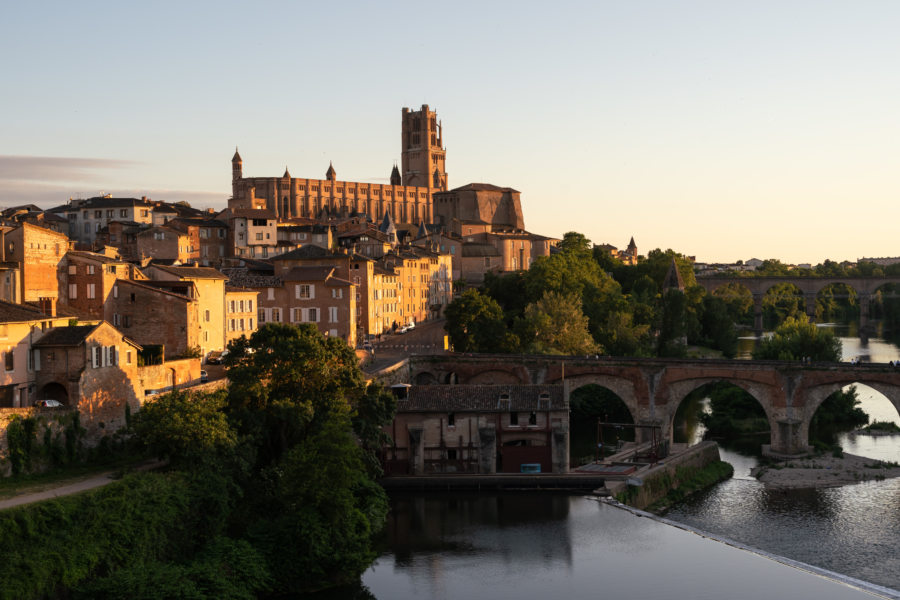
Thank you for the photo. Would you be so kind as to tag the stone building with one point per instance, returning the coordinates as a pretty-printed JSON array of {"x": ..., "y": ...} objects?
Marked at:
[
  {"x": 87, "y": 217},
  {"x": 91, "y": 367},
  {"x": 408, "y": 197},
  {"x": 252, "y": 233},
  {"x": 20, "y": 327},
  {"x": 478, "y": 429},
  {"x": 156, "y": 316}
]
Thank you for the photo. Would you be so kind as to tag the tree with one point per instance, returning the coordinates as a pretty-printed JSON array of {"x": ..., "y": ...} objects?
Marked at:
[
  {"x": 475, "y": 323},
  {"x": 796, "y": 339},
  {"x": 559, "y": 325}
]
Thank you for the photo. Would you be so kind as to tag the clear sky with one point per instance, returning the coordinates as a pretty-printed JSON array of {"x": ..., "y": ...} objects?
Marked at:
[{"x": 720, "y": 129}]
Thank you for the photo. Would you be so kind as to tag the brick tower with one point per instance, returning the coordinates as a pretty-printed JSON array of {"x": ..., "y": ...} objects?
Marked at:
[{"x": 423, "y": 154}]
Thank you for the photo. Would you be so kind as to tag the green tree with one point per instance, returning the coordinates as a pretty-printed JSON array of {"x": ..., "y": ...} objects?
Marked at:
[
  {"x": 475, "y": 323},
  {"x": 796, "y": 339},
  {"x": 559, "y": 325}
]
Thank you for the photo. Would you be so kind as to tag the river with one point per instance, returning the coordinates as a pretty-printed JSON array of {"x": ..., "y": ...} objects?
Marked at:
[{"x": 541, "y": 545}]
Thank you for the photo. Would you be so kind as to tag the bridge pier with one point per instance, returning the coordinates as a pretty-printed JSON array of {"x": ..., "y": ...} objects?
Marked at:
[
  {"x": 864, "y": 328},
  {"x": 810, "y": 300},
  {"x": 787, "y": 439},
  {"x": 758, "y": 314}
]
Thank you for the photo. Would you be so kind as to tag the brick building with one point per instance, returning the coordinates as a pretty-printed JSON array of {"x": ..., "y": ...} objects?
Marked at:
[
  {"x": 408, "y": 197},
  {"x": 38, "y": 253},
  {"x": 86, "y": 280},
  {"x": 478, "y": 429},
  {"x": 156, "y": 316},
  {"x": 162, "y": 242}
]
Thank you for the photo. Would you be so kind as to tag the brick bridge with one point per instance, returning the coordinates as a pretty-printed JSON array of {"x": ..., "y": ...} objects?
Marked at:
[
  {"x": 652, "y": 389},
  {"x": 809, "y": 286}
]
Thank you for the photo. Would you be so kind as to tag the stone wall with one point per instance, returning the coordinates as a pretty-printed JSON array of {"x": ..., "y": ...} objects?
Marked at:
[{"x": 659, "y": 479}]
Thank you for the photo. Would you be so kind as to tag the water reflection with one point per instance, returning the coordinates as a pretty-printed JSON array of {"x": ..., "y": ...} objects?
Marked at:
[{"x": 532, "y": 545}]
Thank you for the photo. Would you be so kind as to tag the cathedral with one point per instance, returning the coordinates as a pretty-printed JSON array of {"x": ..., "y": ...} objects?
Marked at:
[{"x": 408, "y": 199}]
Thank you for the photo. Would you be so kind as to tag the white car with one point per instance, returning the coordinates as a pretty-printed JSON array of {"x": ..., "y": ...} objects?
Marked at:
[{"x": 50, "y": 403}]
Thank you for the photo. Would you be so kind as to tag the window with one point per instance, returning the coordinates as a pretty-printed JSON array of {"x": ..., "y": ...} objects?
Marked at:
[
  {"x": 250, "y": 323},
  {"x": 260, "y": 316},
  {"x": 73, "y": 270},
  {"x": 10, "y": 360},
  {"x": 337, "y": 293},
  {"x": 231, "y": 325},
  {"x": 451, "y": 420},
  {"x": 116, "y": 319},
  {"x": 90, "y": 269},
  {"x": 115, "y": 291},
  {"x": 206, "y": 316},
  {"x": 451, "y": 454},
  {"x": 304, "y": 291},
  {"x": 271, "y": 293},
  {"x": 259, "y": 236},
  {"x": 241, "y": 324},
  {"x": 513, "y": 419},
  {"x": 312, "y": 315},
  {"x": 128, "y": 357},
  {"x": 91, "y": 291},
  {"x": 276, "y": 315},
  {"x": 221, "y": 233},
  {"x": 73, "y": 291},
  {"x": 109, "y": 214},
  {"x": 249, "y": 306},
  {"x": 241, "y": 306},
  {"x": 231, "y": 306},
  {"x": 532, "y": 419},
  {"x": 332, "y": 314},
  {"x": 98, "y": 214},
  {"x": 124, "y": 213},
  {"x": 145, "y": 213},
  {"x": 126, "y": 321}
]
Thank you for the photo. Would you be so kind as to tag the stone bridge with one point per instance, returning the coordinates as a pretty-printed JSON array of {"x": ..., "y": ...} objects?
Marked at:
[
  {"x": 652, "y": 389},
  {"x": 809, "y": 286}
]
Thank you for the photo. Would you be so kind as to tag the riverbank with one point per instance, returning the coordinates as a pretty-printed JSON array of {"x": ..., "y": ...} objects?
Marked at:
[{"x": 823, "y": 471}]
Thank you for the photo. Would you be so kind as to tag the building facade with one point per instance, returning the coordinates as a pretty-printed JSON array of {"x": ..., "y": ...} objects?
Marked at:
[{"x": 408, "y": 198}]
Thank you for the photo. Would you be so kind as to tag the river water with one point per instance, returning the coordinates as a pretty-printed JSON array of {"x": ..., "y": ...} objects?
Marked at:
[{"x": 542, "y": 545}]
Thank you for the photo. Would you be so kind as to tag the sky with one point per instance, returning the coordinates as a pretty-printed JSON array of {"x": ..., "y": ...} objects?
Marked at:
[{"x": 722, "y": 130}]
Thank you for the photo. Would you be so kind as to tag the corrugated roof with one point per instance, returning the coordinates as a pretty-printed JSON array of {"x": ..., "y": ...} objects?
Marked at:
[{"x": 483, "y": 398}]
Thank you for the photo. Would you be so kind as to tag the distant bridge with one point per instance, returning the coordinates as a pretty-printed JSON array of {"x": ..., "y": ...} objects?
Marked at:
[
  {"x": 652, "y": 389},
  {"x": 809, "y": 286}
]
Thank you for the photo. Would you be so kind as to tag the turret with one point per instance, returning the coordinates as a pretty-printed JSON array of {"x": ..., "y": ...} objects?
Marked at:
[
  {"x": 330, "y": 174},
  {"x": 395, "y": 176}
]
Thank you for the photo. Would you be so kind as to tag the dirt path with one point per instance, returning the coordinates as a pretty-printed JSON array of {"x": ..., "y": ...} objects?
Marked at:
[
  {"x": 65, "y": 489},
  {"x": 39, "y": 492}
]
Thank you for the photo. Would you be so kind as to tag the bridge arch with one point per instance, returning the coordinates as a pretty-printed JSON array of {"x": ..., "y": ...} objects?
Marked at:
[
  {"x": 679, "y": 392},
  {"x": 620, "y": 386}
]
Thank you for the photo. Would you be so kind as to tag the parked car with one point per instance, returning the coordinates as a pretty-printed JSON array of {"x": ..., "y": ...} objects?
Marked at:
[
  {"x": 215, "y": 357},
  {"x": 411, "y": 325},
  {"x": 50, "y": 403},
  {"x": 403, "y": 329},
  {"x": 204, "y": 376}
]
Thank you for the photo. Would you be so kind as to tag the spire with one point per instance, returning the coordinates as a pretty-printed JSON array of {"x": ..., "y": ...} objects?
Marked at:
[
  {"x": 437, "y": 178},
  {"x": 330, "y": 174},
  {"x": 673, "y": 280},
  {"x": 387, "y": 225},
  {"x": 237, "y": 157},
  {"x": 287, "y": 174},
  {"x": 632, "y": 247},
  {"x": 395, "y": 176},
  {"x": 423, "y": 232}
]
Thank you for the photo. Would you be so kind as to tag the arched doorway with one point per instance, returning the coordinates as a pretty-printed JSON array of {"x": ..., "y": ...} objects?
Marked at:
[{"x": 54, "y": 391}]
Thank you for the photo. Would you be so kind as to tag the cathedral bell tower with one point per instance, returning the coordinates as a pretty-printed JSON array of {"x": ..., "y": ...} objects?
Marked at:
[
  {"x": 236, "y": 175},
  {"x": 423, "y": 155}
]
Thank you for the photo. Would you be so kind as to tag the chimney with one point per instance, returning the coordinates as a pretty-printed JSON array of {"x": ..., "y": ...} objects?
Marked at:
[{"x": 47, "y": 306}]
